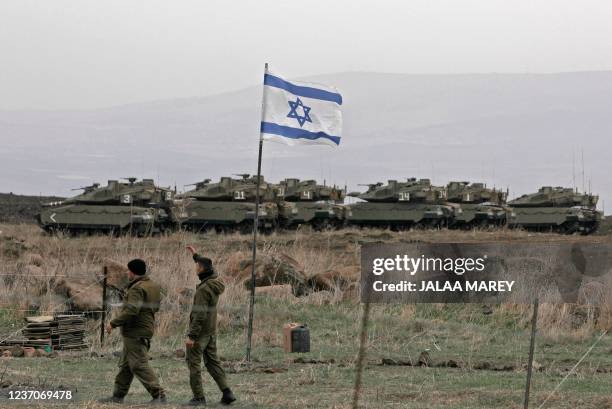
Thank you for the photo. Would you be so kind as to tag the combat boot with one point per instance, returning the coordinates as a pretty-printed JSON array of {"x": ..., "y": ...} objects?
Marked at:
[
  {"x": 228, "y": 396},
  {"x": 112, "y": 399},
  {"x": 160, "y": 400},
  {"x": 196, "y": 402}
]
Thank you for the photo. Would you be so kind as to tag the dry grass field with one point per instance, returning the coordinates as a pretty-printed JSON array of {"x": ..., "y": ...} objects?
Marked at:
[{"x": 476, "y": 354}]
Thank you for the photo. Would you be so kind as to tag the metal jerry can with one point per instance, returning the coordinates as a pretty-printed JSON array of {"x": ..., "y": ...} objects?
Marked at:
[{"x": 296, "y": 338}]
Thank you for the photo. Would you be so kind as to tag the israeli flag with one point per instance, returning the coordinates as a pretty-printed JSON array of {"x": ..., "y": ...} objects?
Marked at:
[{"x": 298, "y": 113}]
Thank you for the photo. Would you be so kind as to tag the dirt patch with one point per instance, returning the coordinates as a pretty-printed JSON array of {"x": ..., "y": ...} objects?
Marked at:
[
  {"x": 426, "y": 361},
  {"x": 302, "y": 360}
]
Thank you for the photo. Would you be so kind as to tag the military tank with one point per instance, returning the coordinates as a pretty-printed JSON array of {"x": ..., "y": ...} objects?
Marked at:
[
  {"x": 227, "y": 205},
  {"x": 477, "y": 206},
  {"x": 400, "y": 205},
  {"x": 558, "y": 209},
  {"x": 306, "y": 202},
  {"x": 134, "y": 207}
]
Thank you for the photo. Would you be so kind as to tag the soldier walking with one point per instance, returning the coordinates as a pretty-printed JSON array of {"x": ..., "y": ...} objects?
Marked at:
[
  {"x": 137, "y": 322},
  {"x": 201, "y": 343}
]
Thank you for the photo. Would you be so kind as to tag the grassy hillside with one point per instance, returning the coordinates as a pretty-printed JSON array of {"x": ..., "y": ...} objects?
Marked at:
[
  {"x": 476, "y": 354},
  {"x": 20, "y": 208}
]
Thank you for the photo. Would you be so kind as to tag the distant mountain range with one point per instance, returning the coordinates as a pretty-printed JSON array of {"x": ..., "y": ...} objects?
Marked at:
[{"x": 520, "y": 131}]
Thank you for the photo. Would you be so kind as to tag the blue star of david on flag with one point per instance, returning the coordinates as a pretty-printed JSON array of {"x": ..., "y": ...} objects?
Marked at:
[
  {"x": 294, "y": 105},
  {"x": 314, "y": 115}
]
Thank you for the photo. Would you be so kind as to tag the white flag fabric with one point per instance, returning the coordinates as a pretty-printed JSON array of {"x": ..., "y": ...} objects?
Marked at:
[{"x": 297, "y": 113}]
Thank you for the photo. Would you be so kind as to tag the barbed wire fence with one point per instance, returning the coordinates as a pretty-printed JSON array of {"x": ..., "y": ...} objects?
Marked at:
[{"x": 363, "y": 347}]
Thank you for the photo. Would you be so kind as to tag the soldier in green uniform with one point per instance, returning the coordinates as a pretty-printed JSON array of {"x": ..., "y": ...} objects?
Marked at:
[
  {"x": 137, "y": 322},
  {"x": 202, "y": 335}
]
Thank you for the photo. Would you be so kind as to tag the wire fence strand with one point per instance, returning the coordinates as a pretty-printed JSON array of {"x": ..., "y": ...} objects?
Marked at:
[{"x": 573, "y": 369}]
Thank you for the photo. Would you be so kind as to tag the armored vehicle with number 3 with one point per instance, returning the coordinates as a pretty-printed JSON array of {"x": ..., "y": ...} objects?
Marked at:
[{"x": 134, "y": 207}]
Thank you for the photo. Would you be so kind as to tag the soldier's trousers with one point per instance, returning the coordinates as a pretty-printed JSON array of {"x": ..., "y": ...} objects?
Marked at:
[
  {"x": 135, "y": 362},
  {"x": 204, "y": 349}
]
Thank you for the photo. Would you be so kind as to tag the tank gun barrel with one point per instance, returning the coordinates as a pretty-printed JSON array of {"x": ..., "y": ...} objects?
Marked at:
[
  {"x": 92, "y": 186},
  {"x": 204, "y": 182}
]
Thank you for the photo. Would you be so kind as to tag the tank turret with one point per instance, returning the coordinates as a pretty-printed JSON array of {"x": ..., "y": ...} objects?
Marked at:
[
  {"x": 413, "y": 190},
  {"x": 548, "y": 196},
  {"x": 466, "y": 192},
  {"x": 232, "y": 189},
  {"x": 143, "y": 193},
  {"x": 296, "y": 190}
]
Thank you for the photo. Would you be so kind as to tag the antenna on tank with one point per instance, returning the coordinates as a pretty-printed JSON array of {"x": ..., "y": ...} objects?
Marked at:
[
  {"x": 346, "y": 191},
  {"x": 583, "y": 183},
  {"x": 574, "y": 169}
]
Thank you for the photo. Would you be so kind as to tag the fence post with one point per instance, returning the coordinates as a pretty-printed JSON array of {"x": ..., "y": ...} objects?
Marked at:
[
  {"x": 363, "y": 340},
  {"x": 103, "y": 324},
  {"x": 534, "y": 321}
]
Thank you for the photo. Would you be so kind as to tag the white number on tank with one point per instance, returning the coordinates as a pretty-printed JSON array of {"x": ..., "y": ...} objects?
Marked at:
[{"x": 404, "y": 196}]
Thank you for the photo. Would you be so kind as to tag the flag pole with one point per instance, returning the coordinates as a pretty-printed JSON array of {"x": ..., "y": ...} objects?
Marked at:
[{"x": 255, "y": 227}]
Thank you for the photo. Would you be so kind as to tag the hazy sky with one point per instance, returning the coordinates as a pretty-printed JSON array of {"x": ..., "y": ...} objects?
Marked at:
[{"x": 86, "y": 54}]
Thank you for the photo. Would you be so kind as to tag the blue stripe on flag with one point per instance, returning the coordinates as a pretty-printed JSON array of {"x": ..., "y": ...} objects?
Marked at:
[
  {"x": 307, "y": 92},
  {"x": 296, "y": 133}
]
